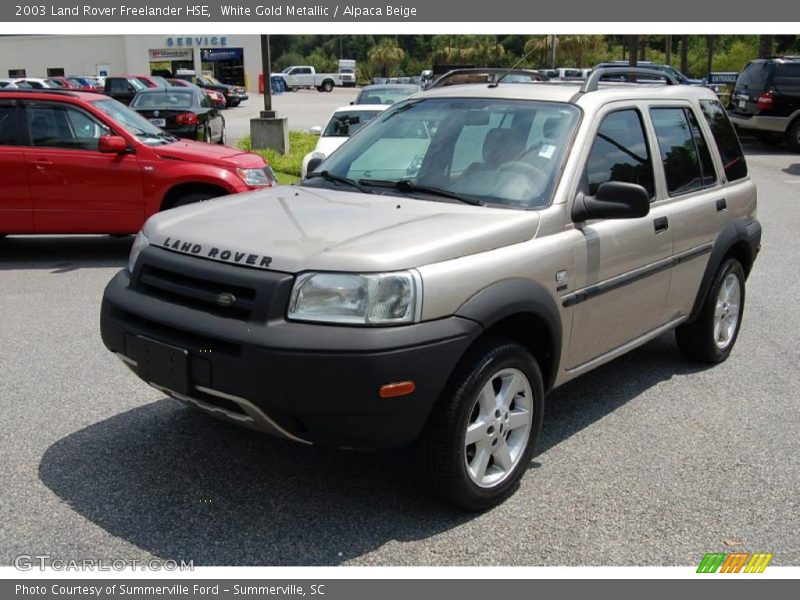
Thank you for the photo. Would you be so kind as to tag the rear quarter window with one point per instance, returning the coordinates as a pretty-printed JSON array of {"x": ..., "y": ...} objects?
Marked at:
[{"x": 730, "y": 150}]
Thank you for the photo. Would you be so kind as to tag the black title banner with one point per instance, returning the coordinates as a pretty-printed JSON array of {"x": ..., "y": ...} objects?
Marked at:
[{"x": 401, "y": 11}]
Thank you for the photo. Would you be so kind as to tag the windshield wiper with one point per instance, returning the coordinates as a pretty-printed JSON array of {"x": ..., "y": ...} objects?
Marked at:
[
  {"x": 406, "y": 185},
  {"x": 327, "y": 175}
]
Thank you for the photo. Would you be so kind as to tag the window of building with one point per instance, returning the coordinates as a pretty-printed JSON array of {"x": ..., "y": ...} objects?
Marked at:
[
  {"x": 15, "y": 73},
  {"x": 55, "y": 72}
]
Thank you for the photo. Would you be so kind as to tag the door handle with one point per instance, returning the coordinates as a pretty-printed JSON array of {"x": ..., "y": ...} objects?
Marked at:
[
  {"x": 722, "y": 205},
  {"x": 661, "y": 224}
]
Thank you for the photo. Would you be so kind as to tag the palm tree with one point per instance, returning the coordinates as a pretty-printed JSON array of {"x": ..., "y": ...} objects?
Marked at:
[{"x": 386, "y": 56}]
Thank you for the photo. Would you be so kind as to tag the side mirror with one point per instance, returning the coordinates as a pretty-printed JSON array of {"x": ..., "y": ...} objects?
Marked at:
[
  {"x": 614, "y": 200},
  {"x": 113, "y": 144},
  {"x": 317, "y": 130},
  {"x": 313, "y": 164}
]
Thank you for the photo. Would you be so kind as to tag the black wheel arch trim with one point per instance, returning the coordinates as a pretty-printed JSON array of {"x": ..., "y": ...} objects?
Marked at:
[
  {"x": 518, "y": 296},
  {"x": 732, "y": 234}
]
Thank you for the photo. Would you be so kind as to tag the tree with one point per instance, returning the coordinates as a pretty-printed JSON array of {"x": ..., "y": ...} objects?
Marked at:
[
  {"x": 684, "y": 53},
  {"x": 386, "y": 56},
  {"x": 765, "y": 44}
]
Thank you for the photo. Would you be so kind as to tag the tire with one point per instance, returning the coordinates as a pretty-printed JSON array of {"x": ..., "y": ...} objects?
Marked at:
[
  {"x": 443, "y": 452},
  {"x": 327, "y": 86},
  {"x": 190, "y": 198},
  {"x": 233, "y": 103},
  {"x": 712, "y": 335},
  {"x": 769, "y": 139},
  {"x": 793, "y": 136},
  {"x": 207, "y": 134}
]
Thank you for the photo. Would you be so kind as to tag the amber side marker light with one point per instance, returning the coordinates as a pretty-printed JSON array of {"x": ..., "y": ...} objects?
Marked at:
[{"x": 393, "y": 390}]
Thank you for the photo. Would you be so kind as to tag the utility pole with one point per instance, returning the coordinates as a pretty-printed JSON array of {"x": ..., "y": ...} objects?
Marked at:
[{"x": 555, "y": 47}]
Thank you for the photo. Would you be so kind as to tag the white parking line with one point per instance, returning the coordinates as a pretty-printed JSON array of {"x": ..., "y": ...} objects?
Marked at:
[{"x": 791, "y": 181}]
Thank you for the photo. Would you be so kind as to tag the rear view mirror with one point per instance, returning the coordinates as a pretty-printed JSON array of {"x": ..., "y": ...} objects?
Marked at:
[
  {"x": 614, "y": 200},
  {"x": 477, "y": 117},
  {"x": 112, "y": 144}
]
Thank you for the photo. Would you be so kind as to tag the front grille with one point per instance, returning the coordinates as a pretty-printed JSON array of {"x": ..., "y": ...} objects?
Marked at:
[
  {"x": 196, "y": 293},
  {"x": 219, "y": 289}
]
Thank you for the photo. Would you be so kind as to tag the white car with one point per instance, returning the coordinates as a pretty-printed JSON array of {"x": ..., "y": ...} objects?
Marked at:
[
  {"x": 344, "y": 122},
  {"x": 25, "y": 82}
]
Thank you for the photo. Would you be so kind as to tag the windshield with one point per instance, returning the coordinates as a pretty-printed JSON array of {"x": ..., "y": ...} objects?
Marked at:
[
  {"x": 345, "y": 124},
  {"x": 212, "y": 80},
  {"x": 484, "y": 150},
  {"x": 385, "y": 95},
  {"x": 133, "y": 122},
  {"x": 170, "y": 98}
]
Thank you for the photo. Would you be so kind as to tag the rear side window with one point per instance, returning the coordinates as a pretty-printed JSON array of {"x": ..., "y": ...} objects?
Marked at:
[
  {"x": 118, "y": 85},
  {"x": 786, "y": 77},
  {"x": 620, "y": 153},
  {"x": 685, "y": 156},
  {"x": 727, "y": 141},
  {"x": 8, "y": 129}
]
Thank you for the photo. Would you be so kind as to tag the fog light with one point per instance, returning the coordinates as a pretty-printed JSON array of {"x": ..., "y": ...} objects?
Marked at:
[{"x": 393, "y": 390}]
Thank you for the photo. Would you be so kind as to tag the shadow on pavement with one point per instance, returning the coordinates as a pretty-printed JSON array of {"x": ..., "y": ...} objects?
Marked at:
[
  {"x": 183, "y": 486},
  {"x": 61, "y": 254}
]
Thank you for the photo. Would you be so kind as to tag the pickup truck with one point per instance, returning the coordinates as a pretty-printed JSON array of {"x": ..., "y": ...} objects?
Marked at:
[{"x": 307, "y": 77}]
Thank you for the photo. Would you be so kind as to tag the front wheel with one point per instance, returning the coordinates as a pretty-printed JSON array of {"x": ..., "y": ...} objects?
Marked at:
[
  {"x": 712, "y": 335},
  {"x": 483, "y": 430}
]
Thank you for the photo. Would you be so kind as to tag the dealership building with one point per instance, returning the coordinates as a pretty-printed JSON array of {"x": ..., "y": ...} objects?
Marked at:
[{"x": 234, "y": 59}]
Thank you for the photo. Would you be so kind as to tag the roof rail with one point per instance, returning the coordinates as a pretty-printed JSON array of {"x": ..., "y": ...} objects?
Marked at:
[
  {"x": 490, "y": 74},
  {"x": 39, "y": 91},
  {"x": 597, "y": 74}
]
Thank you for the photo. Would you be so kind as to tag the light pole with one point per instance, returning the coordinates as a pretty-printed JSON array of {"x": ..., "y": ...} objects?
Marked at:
[
  {"x": 266, "y": 69},
  {"x": 268, "y": 130}
]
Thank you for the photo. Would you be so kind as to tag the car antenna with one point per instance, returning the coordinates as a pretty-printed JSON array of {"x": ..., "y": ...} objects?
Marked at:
[{"x": 497, "y": 81}]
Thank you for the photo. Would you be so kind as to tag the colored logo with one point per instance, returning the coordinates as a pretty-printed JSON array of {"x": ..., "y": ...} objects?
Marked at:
[{"x": 734, "y": 562}]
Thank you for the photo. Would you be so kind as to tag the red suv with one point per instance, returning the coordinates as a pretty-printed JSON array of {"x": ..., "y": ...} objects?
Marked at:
[{"x": 79, "y": 162}]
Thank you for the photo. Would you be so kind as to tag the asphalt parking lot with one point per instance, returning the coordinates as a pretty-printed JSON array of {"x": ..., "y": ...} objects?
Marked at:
[
  {"x": 646, "y": 461},
  {"x": 303, "y": 109}
]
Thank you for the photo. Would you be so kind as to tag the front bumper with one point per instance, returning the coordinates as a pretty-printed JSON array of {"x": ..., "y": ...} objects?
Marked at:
[{"x": 307, "y": 382}]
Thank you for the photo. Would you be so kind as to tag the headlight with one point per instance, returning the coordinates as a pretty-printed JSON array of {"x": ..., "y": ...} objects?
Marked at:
[
  {"x": 263, "y": 176},
  {"x": 357, "y": 299},
  {"x": 140, "y": 243}
]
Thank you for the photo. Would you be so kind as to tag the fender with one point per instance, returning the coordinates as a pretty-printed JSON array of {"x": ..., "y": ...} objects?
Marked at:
[
  {"x": 514, "y": 297},
  {"x": 733, "y": 233}
]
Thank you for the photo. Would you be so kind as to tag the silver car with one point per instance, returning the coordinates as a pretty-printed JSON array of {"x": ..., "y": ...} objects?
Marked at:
[{"x": 471, "y": 249}]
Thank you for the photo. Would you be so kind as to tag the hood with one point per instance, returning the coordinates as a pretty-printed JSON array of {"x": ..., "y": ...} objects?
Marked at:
[
  {"x": 211, "y": 154},
  {"x": 294, "y": 229}
]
